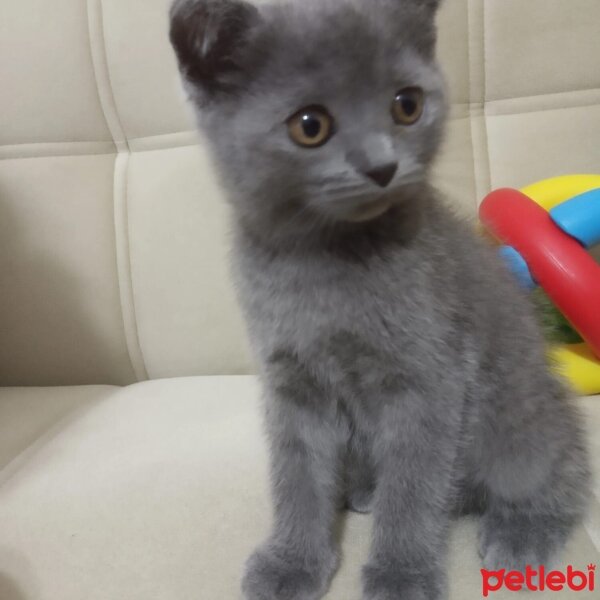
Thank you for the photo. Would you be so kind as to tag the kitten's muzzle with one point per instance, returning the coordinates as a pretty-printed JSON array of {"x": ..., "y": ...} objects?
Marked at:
[
  {"x": 383, "y": 174},
  {"x": 369, "y": 211}
]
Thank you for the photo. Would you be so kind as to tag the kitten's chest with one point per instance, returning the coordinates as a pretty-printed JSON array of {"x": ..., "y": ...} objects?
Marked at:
[{"x": 325, "y": 311}]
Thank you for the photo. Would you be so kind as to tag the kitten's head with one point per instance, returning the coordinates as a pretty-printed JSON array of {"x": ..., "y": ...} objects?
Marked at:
[{"x": 330, "y": 110}]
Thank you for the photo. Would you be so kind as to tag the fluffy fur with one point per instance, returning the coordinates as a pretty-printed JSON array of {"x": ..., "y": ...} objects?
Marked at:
[{"x": 403, "y": 370}]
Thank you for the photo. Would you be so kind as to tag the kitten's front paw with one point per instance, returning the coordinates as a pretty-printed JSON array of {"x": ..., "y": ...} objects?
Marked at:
[
  {"x": 273, "y": 574},
  {"x": 514, "y": 543},
  {"x": 397, "y": 583}
]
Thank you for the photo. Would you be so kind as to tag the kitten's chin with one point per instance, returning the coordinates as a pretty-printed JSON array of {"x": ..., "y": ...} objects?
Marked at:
[{"x": 370, "y": 211}]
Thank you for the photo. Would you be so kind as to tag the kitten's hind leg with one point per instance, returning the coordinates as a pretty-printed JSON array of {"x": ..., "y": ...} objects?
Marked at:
[{"x": 537, "y": 486}]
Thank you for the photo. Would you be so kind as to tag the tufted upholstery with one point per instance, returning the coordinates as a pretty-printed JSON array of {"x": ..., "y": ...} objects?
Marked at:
[
  {"x": 113, "y": 270},
  {"x": 113, "y": 229}
]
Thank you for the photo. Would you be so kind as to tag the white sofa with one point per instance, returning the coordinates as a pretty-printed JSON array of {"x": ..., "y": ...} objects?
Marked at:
[{"x": 132, "y": 465}]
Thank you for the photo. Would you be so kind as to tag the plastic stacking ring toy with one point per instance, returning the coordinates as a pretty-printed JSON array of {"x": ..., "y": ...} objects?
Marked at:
[
  {"x": 579, "y": 365},
  {"x": 547, "y": 236},
  {"x": 580, "y": 218},
  {"x": 557, "y": 262},
  {"x": 551, "y": 192}
]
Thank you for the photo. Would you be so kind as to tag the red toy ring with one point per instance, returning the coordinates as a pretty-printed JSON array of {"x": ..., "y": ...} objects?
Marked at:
[{"x": 563, "y": 268}]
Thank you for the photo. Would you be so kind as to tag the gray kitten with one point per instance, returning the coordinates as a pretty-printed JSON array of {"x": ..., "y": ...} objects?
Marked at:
[{"x": 403, "y": 369}]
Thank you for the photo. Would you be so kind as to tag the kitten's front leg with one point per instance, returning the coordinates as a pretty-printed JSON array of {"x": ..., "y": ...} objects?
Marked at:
[
  {"x": 298, "y": 559},
  {"x": 415, "y": 448}
]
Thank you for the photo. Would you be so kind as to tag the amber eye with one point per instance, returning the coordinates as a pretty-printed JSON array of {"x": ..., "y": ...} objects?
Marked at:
[
  {"x": 408, "y": 106},
  {"x": 311, "y": 126}
]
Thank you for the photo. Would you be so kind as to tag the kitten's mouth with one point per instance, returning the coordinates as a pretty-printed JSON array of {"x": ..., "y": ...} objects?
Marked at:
[{"x": 370, "y": 211}]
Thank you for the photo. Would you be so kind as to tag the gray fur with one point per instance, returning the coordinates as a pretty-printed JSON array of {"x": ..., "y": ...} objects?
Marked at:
[{"x": 402, "y": 367}]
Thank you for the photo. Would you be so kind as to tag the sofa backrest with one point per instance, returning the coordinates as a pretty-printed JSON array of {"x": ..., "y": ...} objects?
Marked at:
[{"x": 113, "y": 230}]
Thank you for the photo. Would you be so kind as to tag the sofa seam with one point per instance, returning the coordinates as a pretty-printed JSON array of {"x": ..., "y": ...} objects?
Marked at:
[
  {"x": 594, "y": 88},
  {"x": 121, "y": 212},
  {"x": 99, "y": 55},
  {"x": 120, "y": 197},
  {"x": 58, "y": 155},
  {"x": 478, "y": 123},
  {"x": 541, "y": 110},
  {"x": 471, "y": 104},
  {"x": 485, "y": 62}
]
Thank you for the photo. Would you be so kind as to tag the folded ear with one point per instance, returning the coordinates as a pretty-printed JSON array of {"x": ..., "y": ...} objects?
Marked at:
[{"x": 209, "y": 38}]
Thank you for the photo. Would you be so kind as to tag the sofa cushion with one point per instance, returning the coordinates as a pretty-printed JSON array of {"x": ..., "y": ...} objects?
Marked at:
[
  {"x": 29, "y": 415},
  {"x": 159, "y": 491}
]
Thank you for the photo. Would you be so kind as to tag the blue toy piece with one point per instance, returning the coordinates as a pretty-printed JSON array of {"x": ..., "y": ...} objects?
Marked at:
[
  {"x": 580, "y": 217},
  {"x": 517, "y": 265}
]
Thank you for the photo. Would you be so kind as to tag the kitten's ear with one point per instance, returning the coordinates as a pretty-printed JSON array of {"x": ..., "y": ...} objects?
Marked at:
[{"x": 209, "y": 38}]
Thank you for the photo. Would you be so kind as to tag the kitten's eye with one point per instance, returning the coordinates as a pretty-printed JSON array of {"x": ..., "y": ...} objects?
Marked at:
[
  {"x": 310, "y": 127},
  {"x": 408, "y": 106}
]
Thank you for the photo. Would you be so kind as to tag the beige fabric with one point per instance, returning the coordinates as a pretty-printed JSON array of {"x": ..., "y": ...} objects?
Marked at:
[
  {"x": 28, "y": 415},
  {"x": 49, "y": 91},
  {"x": 59, "y": 302},
  {"x": 113, "y": 231},
  {"x": 159, "y": 491}
]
